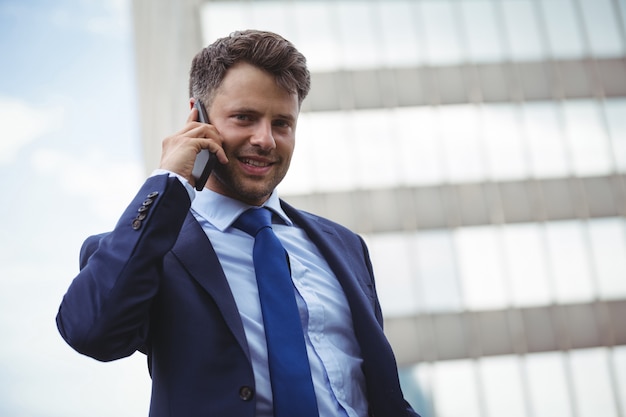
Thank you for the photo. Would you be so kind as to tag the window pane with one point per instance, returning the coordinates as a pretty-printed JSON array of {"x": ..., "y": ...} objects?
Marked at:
[
  {"x": 481, "y": 269},
  {"x": 395, "y": 281},
  {"x": 587, "y": 138},
  {"x": 416, "y": 382},
  {"x": 455, "y": 391},
  {"x": 419, "y": 154},
  {"x": 483, "y": 38},
  {"x": 464, "y": 161},
  {"x": 358, "y": 38},
  {"x": 592, "y": 386},
  {"x": 374, "y": 148},
  {"x": 545, "y": 138},
  {"x": 608, "y": 249},
  {"x": 443, "y": 44},
  {"x": 619, "y": 362},
  {"x": 506, "y": 153},
  {"x": 564, "y": 32},
  {"x": 316, "y": 38},
  {"x": 615, "y": 111},
  {"x": 301, "y": 178},
  {"x": 502, "y": 382},
  {"x": 270, "y": 15},
  {"x": 526, "y": 264},
  {"x": 437, "y": 271},
  {"x": 569, "y": 262},
  {"x": 523, "y": 30},
  {"x": 317, "y": 133},
  {"x": 220, "y": 18},
  {"x": 547, "y": 383},
  {"x": 601, "y": 28},
  {"x": 399, "y": 33},
  {"x": 622, "y": 9}
]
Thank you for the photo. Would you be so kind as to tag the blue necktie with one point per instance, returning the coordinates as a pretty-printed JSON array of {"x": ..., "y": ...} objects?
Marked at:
[{"x": 290, "y": 374}]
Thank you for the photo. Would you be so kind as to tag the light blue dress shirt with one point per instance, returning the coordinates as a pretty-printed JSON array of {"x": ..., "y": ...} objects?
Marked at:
[{"x": 332, "y": 348}]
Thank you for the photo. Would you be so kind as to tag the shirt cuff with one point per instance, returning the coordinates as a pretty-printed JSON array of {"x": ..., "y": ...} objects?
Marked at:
[{"x": 190, "y": 190}]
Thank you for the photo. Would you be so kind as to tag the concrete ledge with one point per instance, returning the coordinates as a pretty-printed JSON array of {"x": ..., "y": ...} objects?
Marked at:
[
  {"x": 434, "y": 337},
  {"x": 469, "y": 204}
]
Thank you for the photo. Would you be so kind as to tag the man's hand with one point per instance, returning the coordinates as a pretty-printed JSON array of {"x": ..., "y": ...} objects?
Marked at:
[{"x": 179, "y": 150}]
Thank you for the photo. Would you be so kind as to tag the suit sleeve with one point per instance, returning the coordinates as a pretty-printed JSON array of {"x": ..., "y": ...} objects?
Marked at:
[{"x": 105, "y": 313}]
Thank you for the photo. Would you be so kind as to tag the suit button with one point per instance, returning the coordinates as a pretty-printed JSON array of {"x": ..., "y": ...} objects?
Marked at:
[
  {"x": 246, "y": 393},
  {"x": 152, "y": 194},
  {"x": 136, "y": 224}
]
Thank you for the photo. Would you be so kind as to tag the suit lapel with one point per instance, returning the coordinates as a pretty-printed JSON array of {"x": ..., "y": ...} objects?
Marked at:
[
  {"x": 195, "y": 252},
  {"x": 379, "y": 364}
]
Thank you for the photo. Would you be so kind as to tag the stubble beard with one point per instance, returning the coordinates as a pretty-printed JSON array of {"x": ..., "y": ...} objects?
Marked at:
[{"x": 243, "y": 188}]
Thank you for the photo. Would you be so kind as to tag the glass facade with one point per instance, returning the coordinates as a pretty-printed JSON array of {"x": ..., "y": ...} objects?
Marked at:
[
  {"x": 479, "y": 146},
  {"x": 458, "y": 143},
  {"x": 354, "y": 34}
]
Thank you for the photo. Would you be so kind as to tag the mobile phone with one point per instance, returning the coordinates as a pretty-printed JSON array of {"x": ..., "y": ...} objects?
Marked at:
[{"x": 205, "y": 160}]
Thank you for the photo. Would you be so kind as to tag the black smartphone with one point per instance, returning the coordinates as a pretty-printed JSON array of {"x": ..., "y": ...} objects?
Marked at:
[{"x": 205, "y": 161}]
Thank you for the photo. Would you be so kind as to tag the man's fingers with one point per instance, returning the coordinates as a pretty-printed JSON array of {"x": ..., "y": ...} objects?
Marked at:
[{"x": 216, "y": 148}]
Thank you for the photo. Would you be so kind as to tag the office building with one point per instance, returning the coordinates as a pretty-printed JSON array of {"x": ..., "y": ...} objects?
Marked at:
[{"x": 480, "y": 148}]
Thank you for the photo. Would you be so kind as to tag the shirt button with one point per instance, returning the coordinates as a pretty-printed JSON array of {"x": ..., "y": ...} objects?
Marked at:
[{"x": 246, "y": 393}]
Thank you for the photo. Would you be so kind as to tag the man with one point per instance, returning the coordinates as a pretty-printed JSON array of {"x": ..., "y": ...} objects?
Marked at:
[{"x": 177, "y": 279}]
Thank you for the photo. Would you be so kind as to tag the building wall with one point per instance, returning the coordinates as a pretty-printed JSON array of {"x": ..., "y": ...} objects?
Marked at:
[{"x": 480, "y": 148}]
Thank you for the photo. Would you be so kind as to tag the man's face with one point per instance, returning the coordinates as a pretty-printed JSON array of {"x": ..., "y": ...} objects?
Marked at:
[{"x": 257, "y": 121}]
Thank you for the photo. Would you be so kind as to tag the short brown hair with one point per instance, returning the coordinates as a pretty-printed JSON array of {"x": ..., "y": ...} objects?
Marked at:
[{"x": 265, "y": 50}]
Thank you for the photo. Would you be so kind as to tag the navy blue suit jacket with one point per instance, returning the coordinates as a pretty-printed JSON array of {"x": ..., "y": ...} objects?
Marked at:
[{"x": 158, "y": 287}]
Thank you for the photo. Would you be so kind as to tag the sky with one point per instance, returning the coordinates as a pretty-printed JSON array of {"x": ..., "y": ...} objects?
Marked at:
[{"x": 70, "y": 160}]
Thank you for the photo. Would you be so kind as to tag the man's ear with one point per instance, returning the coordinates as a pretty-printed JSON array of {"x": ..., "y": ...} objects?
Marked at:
[{"x": 192, "y": 101}]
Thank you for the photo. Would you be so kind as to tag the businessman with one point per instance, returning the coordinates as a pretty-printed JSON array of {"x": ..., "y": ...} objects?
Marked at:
[{"x": 244, "y": 305}]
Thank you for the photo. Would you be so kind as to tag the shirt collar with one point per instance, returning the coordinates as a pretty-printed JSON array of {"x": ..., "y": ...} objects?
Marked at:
[{"x": 221, "y": 211}]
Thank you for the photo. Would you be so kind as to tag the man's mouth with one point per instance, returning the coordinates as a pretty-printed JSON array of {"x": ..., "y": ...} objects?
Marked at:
[{"x": 255, "y": 163}]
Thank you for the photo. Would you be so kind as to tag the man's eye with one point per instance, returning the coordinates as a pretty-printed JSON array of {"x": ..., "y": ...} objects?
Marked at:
[
  {"x": 281, "y": 123},
  {"x": 244, "y": 117}
]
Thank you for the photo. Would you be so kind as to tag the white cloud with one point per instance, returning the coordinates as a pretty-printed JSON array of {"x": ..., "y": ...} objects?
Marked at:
[
  {"x": 21, "y": 123},
  {"x": 114, "y": 20},
  {"x": 91, "y": 174},
  {"x": 111, "y": 18}
]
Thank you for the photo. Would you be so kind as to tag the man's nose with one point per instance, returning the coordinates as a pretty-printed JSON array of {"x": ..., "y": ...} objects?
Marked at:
[{"x": 263, "y": 135}]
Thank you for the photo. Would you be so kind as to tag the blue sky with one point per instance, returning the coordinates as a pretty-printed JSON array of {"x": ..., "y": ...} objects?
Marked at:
[{"x": 70, "y": 160}]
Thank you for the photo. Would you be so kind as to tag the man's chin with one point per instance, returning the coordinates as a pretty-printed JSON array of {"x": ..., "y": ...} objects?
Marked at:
[{"x": 245, "y": 190}]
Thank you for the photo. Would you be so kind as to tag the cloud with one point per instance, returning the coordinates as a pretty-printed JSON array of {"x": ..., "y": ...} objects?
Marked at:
[
  {"x": 21, "y": 123},
  {"x": 107, "y": 184},
  {"x": 113, "y": 19},
  {"x": 108, "y": 18}
]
